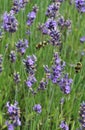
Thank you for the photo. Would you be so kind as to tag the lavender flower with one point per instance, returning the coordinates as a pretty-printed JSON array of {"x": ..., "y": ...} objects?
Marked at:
[
  {"x": 50, "y": 28},
  {"x": 64, "y": 23},
  {"x": 30, "y": 81},
  {"x": 65, "y": 84},
  {"x": 82, "y": 39},
  {"x": 64, "y": 126},
  {"x": 55, "y": 37},
  {"x": 30, "y": 64},
  {"x": 80, "y": 5},
  {"x": 31, "y": 16},
  {"x": 21, "y": 46},
  {"x": 57, "y": 69},
  {"x": 10, "y": 23},
  {"x": 15, "y": 7},
  {"x": 10, "y": 126},
  {"x": 52, "y": 10},
  {"x": 14, "y": 115},
  {"x": 61, "y": 21},
  {"x": 68, "y": 23},
  {"x": 23, "y": 3},
  {"x": 18, "y": 4},
  {"x": 50, "y": 24},
  {"x": 82, "y": 115},
  {"x": 57, "y": 76},
  {"x": 42, "y": 85},
  {"x": 12, "y": 56},
  {"x": 16, "y": 77},
  {"x": 43, "y": 29},
  {"x": 37, "y": 108}
]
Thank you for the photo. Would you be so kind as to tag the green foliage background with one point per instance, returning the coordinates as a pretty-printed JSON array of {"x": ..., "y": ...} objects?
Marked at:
[{"x": 52, "y": 112}]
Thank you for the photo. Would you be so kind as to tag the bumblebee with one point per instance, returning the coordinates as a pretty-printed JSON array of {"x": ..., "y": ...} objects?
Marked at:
[
  {"x": 78, "y": 67},
  {"x": 41, "y": 44}
]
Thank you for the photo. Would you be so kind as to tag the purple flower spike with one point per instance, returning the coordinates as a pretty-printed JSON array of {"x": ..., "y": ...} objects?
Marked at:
[
  {"x": 23, "y": 3},
  {"x": 30, "y": 81},
  {"x": 82, "y": 39},
  {"x": 52, "y": 10},
  {"x": 31, "y": 16},
  {"x": 65, "y": 84},
  {"x": 10, "y": 127},
  {"x": 64, "y": 126},
  {"x": 42, "y": 85},
  {"x": 80, "y": 5},
  {"x": 15, "y": 7},
  {"x": 57, "y": 76},
  {"x": 37, "y": 108},
  {"x": 50, "y": 24},
  {"x": 14, "y": 115},
  {"x": 10, "y": 23},
  {"x": 82, "y": 115},
  {"x": 21, "y": 46},
  {"x": 30, "y": 64},
  {"x": 12, "y": 56},
  {"x": 18, "y": 4}
]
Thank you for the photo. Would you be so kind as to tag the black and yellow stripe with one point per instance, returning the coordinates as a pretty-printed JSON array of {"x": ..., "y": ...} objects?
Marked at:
[
  {"x": 78, "y": 67},
  {"x": 41, "y": 44}
]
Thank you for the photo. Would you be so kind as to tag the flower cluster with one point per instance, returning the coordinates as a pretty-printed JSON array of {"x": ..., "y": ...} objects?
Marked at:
[
  {"x": 42, "y": 85},
  {"x": 37, "y": 108},
  {"x": 18, "y": 4},
  {"x": 54, "y": 22},
  {"x": 15, "y": 7},
  {"x": 10, "y": 23},
  {"x": 57, "y": 69},
  {"x": 57, "y": 76},
  {"x": 31, "y": 16},
  {"x": 50, "y": 28},
  {"x": 82, "y": 115},
  {"x": 21, "y": 46},
  {"x": 64, "y": 23},
  {"x": 65, "y": 84},
  {"x": 14, "y": 115},
  {"x": 30, "y": 64},
  {"x": 12, "y": 56},
  {"x": 23, "y": 3},
  {"x": 30, "y": 81},
  {"x": 80, "y": 5},
  {"x": 30, "y": 69},
  {"x": 55, "y": 37},
  {"x": 52, "y": 10},
  {"x": 64, "y": 126}
]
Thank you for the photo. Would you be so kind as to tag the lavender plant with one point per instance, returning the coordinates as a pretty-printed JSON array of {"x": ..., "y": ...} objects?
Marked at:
[{"x": 43, "y": 81}]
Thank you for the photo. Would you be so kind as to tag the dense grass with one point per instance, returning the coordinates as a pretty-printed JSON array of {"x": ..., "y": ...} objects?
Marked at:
[{"x": 52, "y": 111}]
